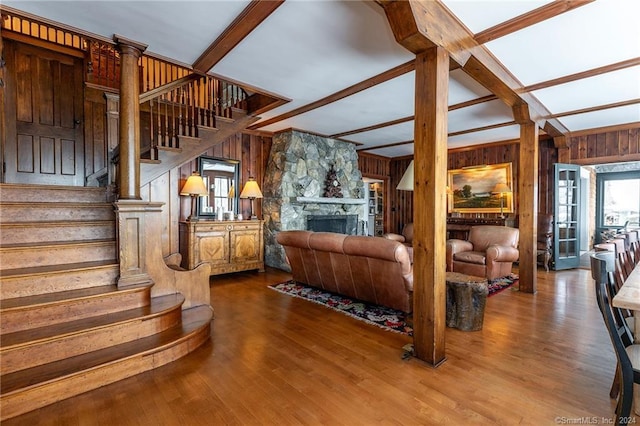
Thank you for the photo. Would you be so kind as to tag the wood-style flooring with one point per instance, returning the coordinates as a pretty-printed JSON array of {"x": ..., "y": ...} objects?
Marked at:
[{"x": 540, "y": 359}]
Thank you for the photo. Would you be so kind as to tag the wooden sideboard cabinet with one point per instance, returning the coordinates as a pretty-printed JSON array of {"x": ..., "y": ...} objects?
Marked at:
[{"x": 228, "y": 246}]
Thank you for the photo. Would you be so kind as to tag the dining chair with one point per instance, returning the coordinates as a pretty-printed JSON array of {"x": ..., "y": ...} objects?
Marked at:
[{"x": 627, "y": 354}]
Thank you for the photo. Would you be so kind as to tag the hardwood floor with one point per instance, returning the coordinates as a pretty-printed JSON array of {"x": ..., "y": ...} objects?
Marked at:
[{"x": 540, "y": 359}]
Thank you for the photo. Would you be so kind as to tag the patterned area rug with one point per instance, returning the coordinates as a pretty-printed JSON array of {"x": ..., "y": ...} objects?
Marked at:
[
  {"x": 500, "y": 284},
  {"x": 383, "y": 317},
  {"x": 387, "y": 318}
]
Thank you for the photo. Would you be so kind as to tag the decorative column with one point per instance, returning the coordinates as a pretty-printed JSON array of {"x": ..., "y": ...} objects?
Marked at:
[
  {"x": 528, "y": 206},
  {"x": 130, "y": 209},
  {"x": 429, "y": 195},
  {"x": 129, "y": 163}
]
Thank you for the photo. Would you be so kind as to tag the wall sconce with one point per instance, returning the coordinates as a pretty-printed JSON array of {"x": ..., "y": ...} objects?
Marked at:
[
  {"x": 251, "y": 191},
  {"x": 194, "y": 187},
  {"x": 501, "y": 188}
]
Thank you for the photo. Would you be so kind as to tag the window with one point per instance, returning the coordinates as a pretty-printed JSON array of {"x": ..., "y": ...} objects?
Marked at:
[{"x": 618, "y": 199}]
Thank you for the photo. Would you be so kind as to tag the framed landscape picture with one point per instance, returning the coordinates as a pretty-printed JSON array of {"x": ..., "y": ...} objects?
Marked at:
[{"x": 481, "y": 189}]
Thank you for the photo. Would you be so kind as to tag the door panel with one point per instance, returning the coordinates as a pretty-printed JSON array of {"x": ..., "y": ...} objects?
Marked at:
[
  {"x": 567, "y": 216},
  {"x": 44, "y": 140}
]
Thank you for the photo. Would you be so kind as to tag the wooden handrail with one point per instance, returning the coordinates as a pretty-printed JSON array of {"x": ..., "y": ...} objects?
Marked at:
[{"x": 158, "y": 91}]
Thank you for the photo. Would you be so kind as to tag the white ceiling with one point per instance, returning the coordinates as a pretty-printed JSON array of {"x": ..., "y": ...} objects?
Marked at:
[{"x": 308, "y": 50}]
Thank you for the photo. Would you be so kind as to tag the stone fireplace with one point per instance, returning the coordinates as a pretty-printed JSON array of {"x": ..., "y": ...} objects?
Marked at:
[{"x": 294, "y": 185}]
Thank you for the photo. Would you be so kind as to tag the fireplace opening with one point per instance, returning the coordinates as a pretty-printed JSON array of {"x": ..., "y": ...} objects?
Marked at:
[{"x": 342, "y": 224}]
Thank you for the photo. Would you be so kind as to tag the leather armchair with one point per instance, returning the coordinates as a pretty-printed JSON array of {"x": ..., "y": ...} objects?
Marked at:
[
  {"x": 488, "y": 252},
  {"x": 406, "y": 238}
]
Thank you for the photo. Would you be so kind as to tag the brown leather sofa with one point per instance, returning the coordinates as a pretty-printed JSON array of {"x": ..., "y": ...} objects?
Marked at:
[
  {"x": 488, "y": 252},
  {"x": 371, "y": 269}
]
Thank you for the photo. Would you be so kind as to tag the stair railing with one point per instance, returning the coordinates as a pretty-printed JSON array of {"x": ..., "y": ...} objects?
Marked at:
[{"x": 196, "y": 102}]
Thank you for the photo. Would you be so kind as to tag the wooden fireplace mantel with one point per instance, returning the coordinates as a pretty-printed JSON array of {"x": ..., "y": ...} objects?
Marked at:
[{"x": 327, "y": 200}]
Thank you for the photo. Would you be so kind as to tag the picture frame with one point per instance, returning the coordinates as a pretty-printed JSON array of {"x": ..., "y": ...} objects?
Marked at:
[{"x": 473, "y": 189}]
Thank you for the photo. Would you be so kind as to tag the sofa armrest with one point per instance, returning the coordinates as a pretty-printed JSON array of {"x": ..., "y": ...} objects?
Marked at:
[
  {"x": 455, "y": 246},
  {"x": 394, "y": 237},
  {"x": 497, "y": 253}
]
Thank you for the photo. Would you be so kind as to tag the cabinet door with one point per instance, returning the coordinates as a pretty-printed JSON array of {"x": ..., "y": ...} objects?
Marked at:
[
  {"x": 245, "y": 245},
  {"x": 212, "y": 246}
]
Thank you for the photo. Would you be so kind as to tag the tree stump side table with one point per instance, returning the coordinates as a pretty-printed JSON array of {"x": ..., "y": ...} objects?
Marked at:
[{"x": 466, "y": 299}]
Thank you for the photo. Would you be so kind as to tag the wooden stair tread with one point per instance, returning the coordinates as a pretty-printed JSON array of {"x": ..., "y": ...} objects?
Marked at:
[
  {"x": 40, "y": 270},
  {"x": 192, "y": 320},
  {"x": 59, "y": 204},
  {"x": 62, "y": 296},
  {"x": 158, "y": 305},
  {"x": 41, "y": 245},
  {"x": 52, "y": 223}
]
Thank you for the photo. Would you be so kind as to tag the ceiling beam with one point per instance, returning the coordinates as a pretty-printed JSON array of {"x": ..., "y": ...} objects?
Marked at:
[
  {"x": 358, "y": 87},
  {"x": 419, "y": 23},
  {"x": 525, "y": 20},
  {"x": 411, "y": 117},
  {"x": 584, "y": 74},
  {"x": 597, "y": 108},
  {"x": 252, "y": 16}
]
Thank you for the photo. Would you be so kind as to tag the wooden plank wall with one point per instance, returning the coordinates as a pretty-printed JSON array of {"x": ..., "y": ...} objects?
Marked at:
[
  {"x": 611, "y": 145},
  {"x": 252, "y": 150},
  {"x": 400, "y": 203}
]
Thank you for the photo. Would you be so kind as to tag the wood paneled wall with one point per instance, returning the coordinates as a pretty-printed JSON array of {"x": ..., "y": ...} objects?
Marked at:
[
  {"x": 251, "y": 150},
  {"x": 610, "y": 145},
  {"x": 400, "y": 203}
]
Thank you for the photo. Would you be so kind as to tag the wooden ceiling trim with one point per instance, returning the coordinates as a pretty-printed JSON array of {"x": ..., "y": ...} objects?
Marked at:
[
  {"x": 358, "y": 87},
  {"x": 374, "y": 127},
  {"x": 597, "y": 108},
  {"x": 410, "y": 118},
  {"x": 584, "y": 74},
  {"x": 472, "y": 102},
  {"x": 247, "y": 21},
  {"x": 525, "y": 20},
  {"x": 483, "y": 128},
  {"x": 389, "y": 145}
]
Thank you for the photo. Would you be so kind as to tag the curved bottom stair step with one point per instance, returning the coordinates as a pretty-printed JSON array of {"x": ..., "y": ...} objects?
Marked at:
[
  {"x": 29, "y": 348},
  {"x": 29, "y": 389}
]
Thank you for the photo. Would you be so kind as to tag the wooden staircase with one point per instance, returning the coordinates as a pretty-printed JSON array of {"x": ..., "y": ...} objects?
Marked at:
[{"x": 65, "y": 326}]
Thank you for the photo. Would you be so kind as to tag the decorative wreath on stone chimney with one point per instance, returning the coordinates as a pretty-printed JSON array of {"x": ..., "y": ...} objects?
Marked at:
[{"x": 332, "y": 188}]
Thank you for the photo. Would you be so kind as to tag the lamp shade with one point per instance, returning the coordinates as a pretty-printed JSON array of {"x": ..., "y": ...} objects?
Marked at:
[
  {"x": 406, "y": 183},
  {"x": 232, "y": 192},
  {"x": 194, "y": 186},
  {"x": 501, "y": 188},
  {"x": 251, "y": 189}
]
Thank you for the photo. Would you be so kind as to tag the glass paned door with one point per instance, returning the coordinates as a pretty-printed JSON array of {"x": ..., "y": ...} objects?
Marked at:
[{"x": 567, "y": 216}]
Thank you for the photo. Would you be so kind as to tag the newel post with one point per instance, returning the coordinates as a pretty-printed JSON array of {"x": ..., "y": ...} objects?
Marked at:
[
  {"x": 130, "y": 209},
  {"x": 129, "y": 126}
]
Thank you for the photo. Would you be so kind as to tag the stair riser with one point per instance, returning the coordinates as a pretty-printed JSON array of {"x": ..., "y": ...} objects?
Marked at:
[
  {"x": 19, "y": 319},
  {"x": 30, "y": 285},
  {"x": 28, "y": 257},
  {"x": 44, "y": 213},
  {"x": 37, "y": 396},
  {"x": 44, "y": 233},
  {"x": 28, "y": 193},
  {"x": 88, "y": 341}
]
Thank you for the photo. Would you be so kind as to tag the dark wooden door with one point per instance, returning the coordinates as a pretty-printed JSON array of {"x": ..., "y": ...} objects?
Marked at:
[{"x": 43, "y": 107}]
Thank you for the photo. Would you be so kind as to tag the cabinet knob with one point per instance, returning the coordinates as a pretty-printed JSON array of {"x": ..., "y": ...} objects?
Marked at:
[{"x": 229, "y": 227}]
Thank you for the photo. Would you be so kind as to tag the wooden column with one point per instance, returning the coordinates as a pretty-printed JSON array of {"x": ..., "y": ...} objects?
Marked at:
[
  {"x": 429, "y": 205},
  {"x": 528, "y": 205},
  {"x": 129, "y": 162}
]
